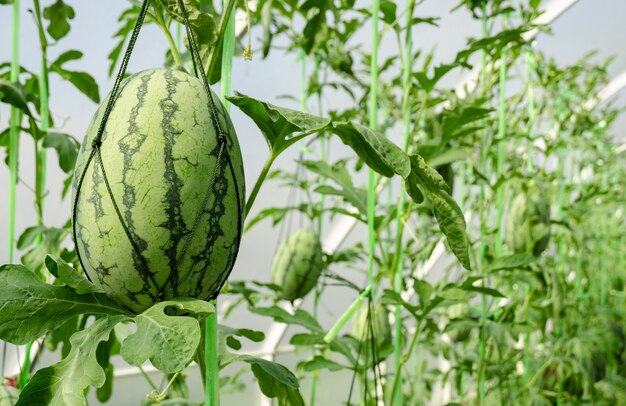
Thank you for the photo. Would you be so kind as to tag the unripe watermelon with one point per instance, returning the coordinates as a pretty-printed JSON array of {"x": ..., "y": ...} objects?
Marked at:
[
  {"x": 8, "y": 395},
  {"x": 528, "y": 221},
  {"x": 162, "y": 159},
  {"x": 380, "y": 331},
  {"x": 297, "y": 264}
]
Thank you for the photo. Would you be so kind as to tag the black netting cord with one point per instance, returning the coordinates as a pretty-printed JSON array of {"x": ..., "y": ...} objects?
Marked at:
[{"x": 97, "y": 141}]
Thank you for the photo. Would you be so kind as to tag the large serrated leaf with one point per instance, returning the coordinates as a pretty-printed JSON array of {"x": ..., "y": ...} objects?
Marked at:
[
  {"x": 169, "y": 342},
  {"x": 64, "y": 383},
  {"x": 29, "y": 307}
]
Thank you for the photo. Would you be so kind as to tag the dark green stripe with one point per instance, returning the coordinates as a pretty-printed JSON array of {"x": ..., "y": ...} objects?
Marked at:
[{"x": 175, "y": 223}]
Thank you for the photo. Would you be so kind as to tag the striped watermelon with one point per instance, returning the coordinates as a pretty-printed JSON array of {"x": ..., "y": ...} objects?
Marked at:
[
  {"x": 528, "y": 222},
  {"x": 376, "y": 315},
  {"x": 160, "y": 153},
  {"x": 297, "y": 264}
]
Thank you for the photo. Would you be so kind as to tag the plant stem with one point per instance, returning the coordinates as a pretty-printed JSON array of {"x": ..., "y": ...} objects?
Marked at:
[
  {"x": 170, "y": 40},
  {"x": 211, "y": 382},
  {"x": 148, "y": 379},
  {"x": 398, "y": 281},
  {"x": 529, "y": 169},
  {"x": 211, "y": 362},
  {"x": 347, "y": 315},
  {"x": 482, "y": 215},
  {"x": 501, "y": 152},
  {"x": 14, "y": 131},
  {"x": 40, "y": 152},
  {"x": 215, "y": 52},
  {"x": 259, "y": 182},
  {"x": 373, "y": 123},
  {"x": 403, "y": 361}
]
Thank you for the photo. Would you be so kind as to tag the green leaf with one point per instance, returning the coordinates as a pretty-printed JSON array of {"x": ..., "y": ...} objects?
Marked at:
[
  {"x": 468, "y": 285},
  {"x": 65, "y": 382},
  {"x": 62, "y": 334},
  {"x": 511, "y": 262},
  {"x": 169, "y": 342},
  {"x": 318, "y": 362},
  {"x": 66, "y": 147},
  {"x": 69, "y": 275},
  {"x": 29, "y": 307},
  {"x": 205, "y": 31},
  {"x": 59, "y": 15},
  {"x": 14, "y": 94},
  {"x": 300, "y": 317},
  {"x": 51, "y": 239},
  {"x": 191, "y": 6},
  {"x": 280, "y": 126},
  {"x": 28, "y": 237},
  {"x": 354, "y": 196},
  {"x": 275, "y": 380},
  {"x": 230, "y": 334},
  {"x": 128, "y": 19},
  {"x": 388, "y": 9},
  {"x": 266, "y": 22},
  {"x": 83, "y": 81},
  {"x": 71, "y": 55},
  {"x": 448, "y": 214},
  {"x": 428, "y": 84},
  {"x": 376, "y": 151},
  {"x": 103, "y": 355}
]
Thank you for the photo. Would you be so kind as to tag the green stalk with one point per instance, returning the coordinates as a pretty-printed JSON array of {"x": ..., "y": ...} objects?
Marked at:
[
  {"x": 398, "y": 282},
  {"x": 373, "y": 123},
  {"x": 211, "y": 383},
  {"x": 604, "y": 254},
  {"x": 170, "y": 40},
  {"x": 259, "y": 182},
  {"x": 211, "y": 363},
  {"x": 14, "y": 132},
  {"x": 501, "y": 152},
  {"x": 529, "y": 169},
  {"x": 560, "y": 259},
  {"x": 215, "y": 52},
  {"x": 320, "y": 217},
  {"x": 346, "y": 316},
  {"x": 482, "y": 390},
  {"x": 40, "y": 152}
]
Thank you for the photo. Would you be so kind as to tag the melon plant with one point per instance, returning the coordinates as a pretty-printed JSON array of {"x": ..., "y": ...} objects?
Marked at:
[
  {"x": 179, "y": 193},
  {"x": 528, "y": 222},
  {"x": 297, "y": 264}
]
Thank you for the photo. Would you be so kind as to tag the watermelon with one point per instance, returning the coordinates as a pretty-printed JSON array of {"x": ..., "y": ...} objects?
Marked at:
[
  {"x": 8, "y": 395},
  {"x": 297, "y": 264},
  {"x": 168, "y": 174},
  {"x": 528, "y": 222},
  {"x": 380, "y": 330}
]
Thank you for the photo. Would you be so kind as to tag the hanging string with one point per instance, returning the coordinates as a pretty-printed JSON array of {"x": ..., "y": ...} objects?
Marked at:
[{"x": 97, "y": 141}]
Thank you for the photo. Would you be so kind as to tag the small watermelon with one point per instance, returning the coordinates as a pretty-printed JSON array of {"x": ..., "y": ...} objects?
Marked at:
[
  {"x": 380, "y": 330},
  {"x": 8, "y": 395},
  {"x": 168, "y": 175},
  {"x": 297, "y": 264},
  {"x": 528, "y": 222}
]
